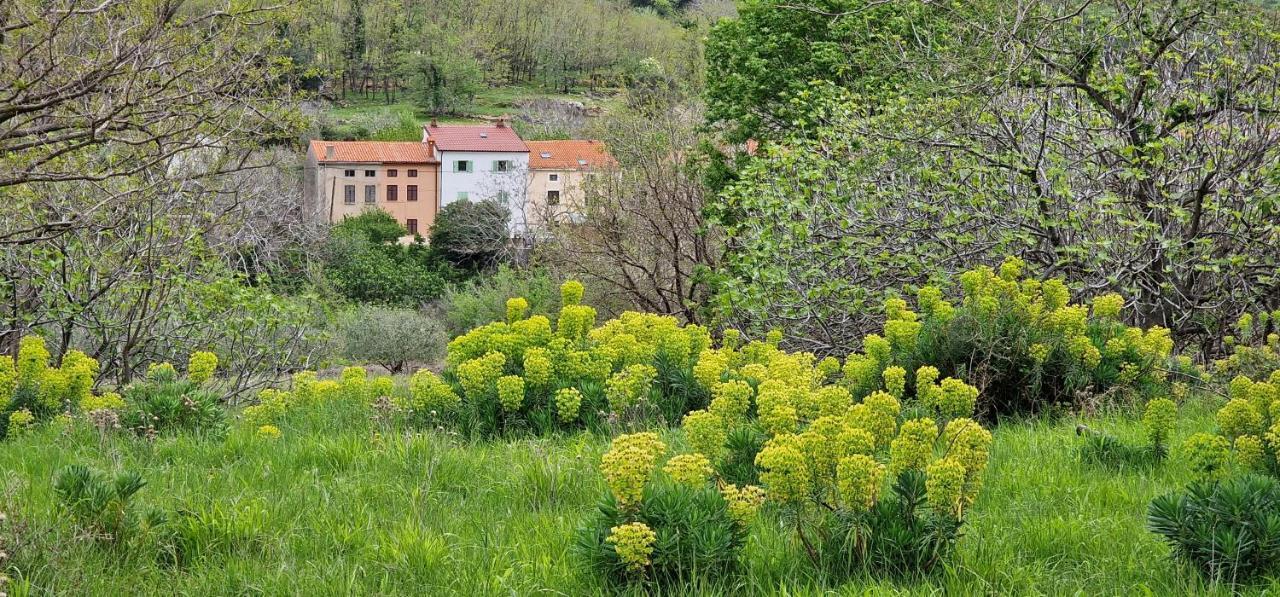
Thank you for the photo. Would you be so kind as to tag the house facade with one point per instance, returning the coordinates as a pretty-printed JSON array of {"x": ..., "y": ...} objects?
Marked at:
[
  {"x": 346, "y": 178},
  {"x": 479, "y": 162},
  {"x": 557, "y": 172}
]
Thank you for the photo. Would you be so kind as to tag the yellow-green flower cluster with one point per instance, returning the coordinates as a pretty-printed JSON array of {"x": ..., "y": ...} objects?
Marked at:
[
  {"x": 480, "y": 376},
  {"x": 511, "y": 392},
  {"x": 633, "y": 542},
  {"x": 901, "y": 326},
  {"x": 380, "y": 386},
  {"x": 33, "y": 359},
  {"x": 689, "y": 469},
  {"x": 878, "y": 415},
  {"x": 629, "y": 387},
  {"x": 711, "y": 367},
  {"x": 895, "y": 381},
  {"x": 629, "y": 463},
  {"x": 269, "y": 432},
  {"x": 913, "y": 448},
  {"x": 944, "y": 486},
  {"x": 970, "y": 445},
  {"x": 571, "y": 293},
  {"x": 859, "y": 477},
  {"x": 568, "y": 403},
  {"x": 833, "y": 401},
  {"x": 201, "y": 366},
  {"x": 354, "y": 382},
  {"x": 272, "y": 404},
  {"x": 517, "y": 307},
  {"x": 931, "y": 303},
  {"x": 8, "y": 381},
  {"x": 1250, "y": 453},
  {"x": 1239, "y": 417},
  {"x": 1159, "y": 419},
  {"x": 743, "y": 503},
  {"x": 951, "y": 399},
  {"x": 731, "y": 401},
  {"x": 162, "y": 372},
  {"x": 430, "y": 394},
  {"x": 107, "y": 401},
  {"x": 20, "y": 422},
  {"x": 537, "y": 367},
  {"x": 1208, "y": 455},
  {"x": 575, "y": 322},
  {"x": 80, "y": 372},
  {"x": 784, "y": 469},
  {"x": 1108, "y": 306},
  {"x": 705, "y": 432}
]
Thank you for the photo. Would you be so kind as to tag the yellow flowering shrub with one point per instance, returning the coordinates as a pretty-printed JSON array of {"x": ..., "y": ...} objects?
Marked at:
[
  {"x": 106, "y": 401},
  {"x": 705, "y": 432},
  {"x": 859, "y": 478},
  {"x": 201, "y": 366},
  {"x": 895, "y": 381},
  {"x": 784, "y": 469},
  {"x": 689, "y": 469},
  {"x": 912, "y": 449},
  {"x": 269, "y": 432},
  {"x": 944, "y": 485},
  {"x": 1208, "y": 455},
  {"x": 628, "y": 465},
  {"x": 20, "y": 422},
  {"x": 633, "y": 543},
  {"x": 1239, "y": 417},
  {"x": 428, "y": 394},
  {"x": 272, "y": 404},
  {"x": 743, "y": 502},
  {"x": 511, "y": 392},
  {"x": 568, "y": 403},
  {"x": 161, "y": 372},
  {"x": 8, "y": 381},
  {"x": 33, "y": 359},
  {"x": 517, "y": 307},
  {"x": 479, "y": 377},
  {"x": 629, "y": 387}
]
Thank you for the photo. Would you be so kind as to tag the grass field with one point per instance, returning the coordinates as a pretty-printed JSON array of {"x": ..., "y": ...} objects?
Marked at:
[
  {"x": 402, "y": 121},
  {"x": 343, "y": 505}
]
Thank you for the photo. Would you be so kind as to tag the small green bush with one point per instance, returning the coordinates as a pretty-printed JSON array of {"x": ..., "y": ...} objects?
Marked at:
[
  {"x": 1228, "y": 530},
  {"x": 104, "y": 507},
  {"x": 484, "y": 299},
  {"x": 392, "y": 337},
  {"x": 164, "y": 402}
]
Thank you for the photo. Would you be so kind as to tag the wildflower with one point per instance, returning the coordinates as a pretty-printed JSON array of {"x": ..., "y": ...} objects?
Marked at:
[
  {"x": 1250, "y": 453},
  {"x": 783, "y": 469},
  {"x": 877, "y": 348},
  {"x": 731, "y": 400},
  {"x": 8, "y": 381},
  {"x": 954, "y": 398},
  {"x": 629, "y": 387},
  {"x": 858, "y": 478},
  {"x": 480, "y": 376},
  {"x": 780, "y": 418},
  {"x": 970, "y": 445},
  {"x": 1054, "y": 293},
  {"x": 1208, "y": 455},
  {"x": 1108, "y": 306},
  {"x": 511, "y": 392},
  {"x": 568, "y": 402},
  {"x": 1039, "y": 352},
  {"x": 53, "y": 386},
  {"x": 20, "y": 422},
  {"x": 913, "y": 447},
  {"x": 833, "y": 401},
  {"x": 1239, "y": 417},
  {"x": 944, "y": 486},
  {"x": 516, "y": 309},
  {"x": 633, "y": 542},
  {"x": 828, "y": 367},
  {"x": 773, "y": 338},
  {"x": 895, "y": 381},
  {"x": 821, "y": 443},
  {"x": 430, "y": 393},
  {"x": 743, "y": 503},
  {"x": 201, "y": 366},
  {"x": 269, "y": 432},
  {"x": 706, "y": 433},
  {"x": 628, "y": 464},
  {"x": 861, "y": 372},
  {"x": 1159, "y": 418},
  {"x": 107, "y": 401},
  {"x": 1084, "y": 351},
  {"x": 383, "y": 385},
  {"x": 571, "y": 293},
  {"x": 689, "y": 469},
  {"x": 33, "y": 359},
  {"x": 161, "y": 372}
]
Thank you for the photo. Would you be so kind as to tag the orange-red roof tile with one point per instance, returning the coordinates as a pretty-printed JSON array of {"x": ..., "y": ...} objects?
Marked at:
[
  {"x": 385, "y": 152},
  {"x": 570, "y": 154},
  {"x": 475, "y": 137}
]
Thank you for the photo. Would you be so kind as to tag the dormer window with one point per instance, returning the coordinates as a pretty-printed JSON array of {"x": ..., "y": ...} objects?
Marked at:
[
  {"x": 582, "y": 162},
  {"x": 484, "y": 135},
  {"x": 544, "y": 155}
]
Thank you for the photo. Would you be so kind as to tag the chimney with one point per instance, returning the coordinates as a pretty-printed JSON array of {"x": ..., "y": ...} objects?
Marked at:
[
  {"x": 328, "y": 152},
  {"x": 502, "y": 121},
  {"x": 431, "y": 147}
]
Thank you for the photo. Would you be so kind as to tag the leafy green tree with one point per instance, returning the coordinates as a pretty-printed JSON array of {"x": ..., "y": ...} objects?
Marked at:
[
  {"x": 472, "y": 235},
  {"x": 444, "y": 74},
  {"x": 366, "y": 263}
]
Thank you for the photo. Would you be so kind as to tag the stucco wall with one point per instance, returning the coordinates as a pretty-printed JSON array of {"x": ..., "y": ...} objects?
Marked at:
[{"x": 330, "y": 180}]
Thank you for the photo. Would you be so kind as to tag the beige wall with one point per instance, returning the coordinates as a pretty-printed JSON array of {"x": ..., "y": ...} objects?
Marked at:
[
  {"x": 569, "y": 184},
  {"x": 331, "y": 180}
]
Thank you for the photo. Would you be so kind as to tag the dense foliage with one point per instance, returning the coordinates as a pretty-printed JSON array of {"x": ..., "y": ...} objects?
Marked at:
[
  {"x": 365, "y": 262},
  {"x": 1229, "y": 530}
]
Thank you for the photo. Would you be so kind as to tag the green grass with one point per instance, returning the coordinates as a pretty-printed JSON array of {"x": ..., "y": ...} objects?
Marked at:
[
  {"x": 402, "y": 121},
  {"x": 340, "y": 505}
]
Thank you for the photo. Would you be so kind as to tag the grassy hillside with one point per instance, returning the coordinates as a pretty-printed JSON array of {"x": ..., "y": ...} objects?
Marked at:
[{"x": 343, "y": 505}]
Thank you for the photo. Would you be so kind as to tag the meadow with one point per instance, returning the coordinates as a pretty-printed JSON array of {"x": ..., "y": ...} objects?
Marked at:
[{"x": 344, "y": 503}]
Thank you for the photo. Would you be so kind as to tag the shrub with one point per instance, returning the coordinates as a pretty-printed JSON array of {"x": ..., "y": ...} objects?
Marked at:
[
  {"x": 104, "y": 507},
  {"x": 33, "y": 391},
  {"x": 825, "y": 458},
  {"x": 638, "y": 367},
  {"x": 668, "y": 531},
  {"x": 201, "y": 366},
  {"x": 1228, "y": 530},
  {"x": 165, "y": 402},
  {"x": 392, "y": 338},
  {"x": 1020, "y": 341},
  {"x": 1255, "y": 347},
  {"x": 472, "y": 236},
  {"x": 1158, "y": 420},
  {"x": 484, "y": 299},
  {"x": 365, "y": 262},
  {"x": 1248, "y": 438}
]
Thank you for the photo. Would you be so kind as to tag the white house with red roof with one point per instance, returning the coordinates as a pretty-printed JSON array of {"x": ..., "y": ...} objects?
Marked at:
[{"x": 479, "y": 162}]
